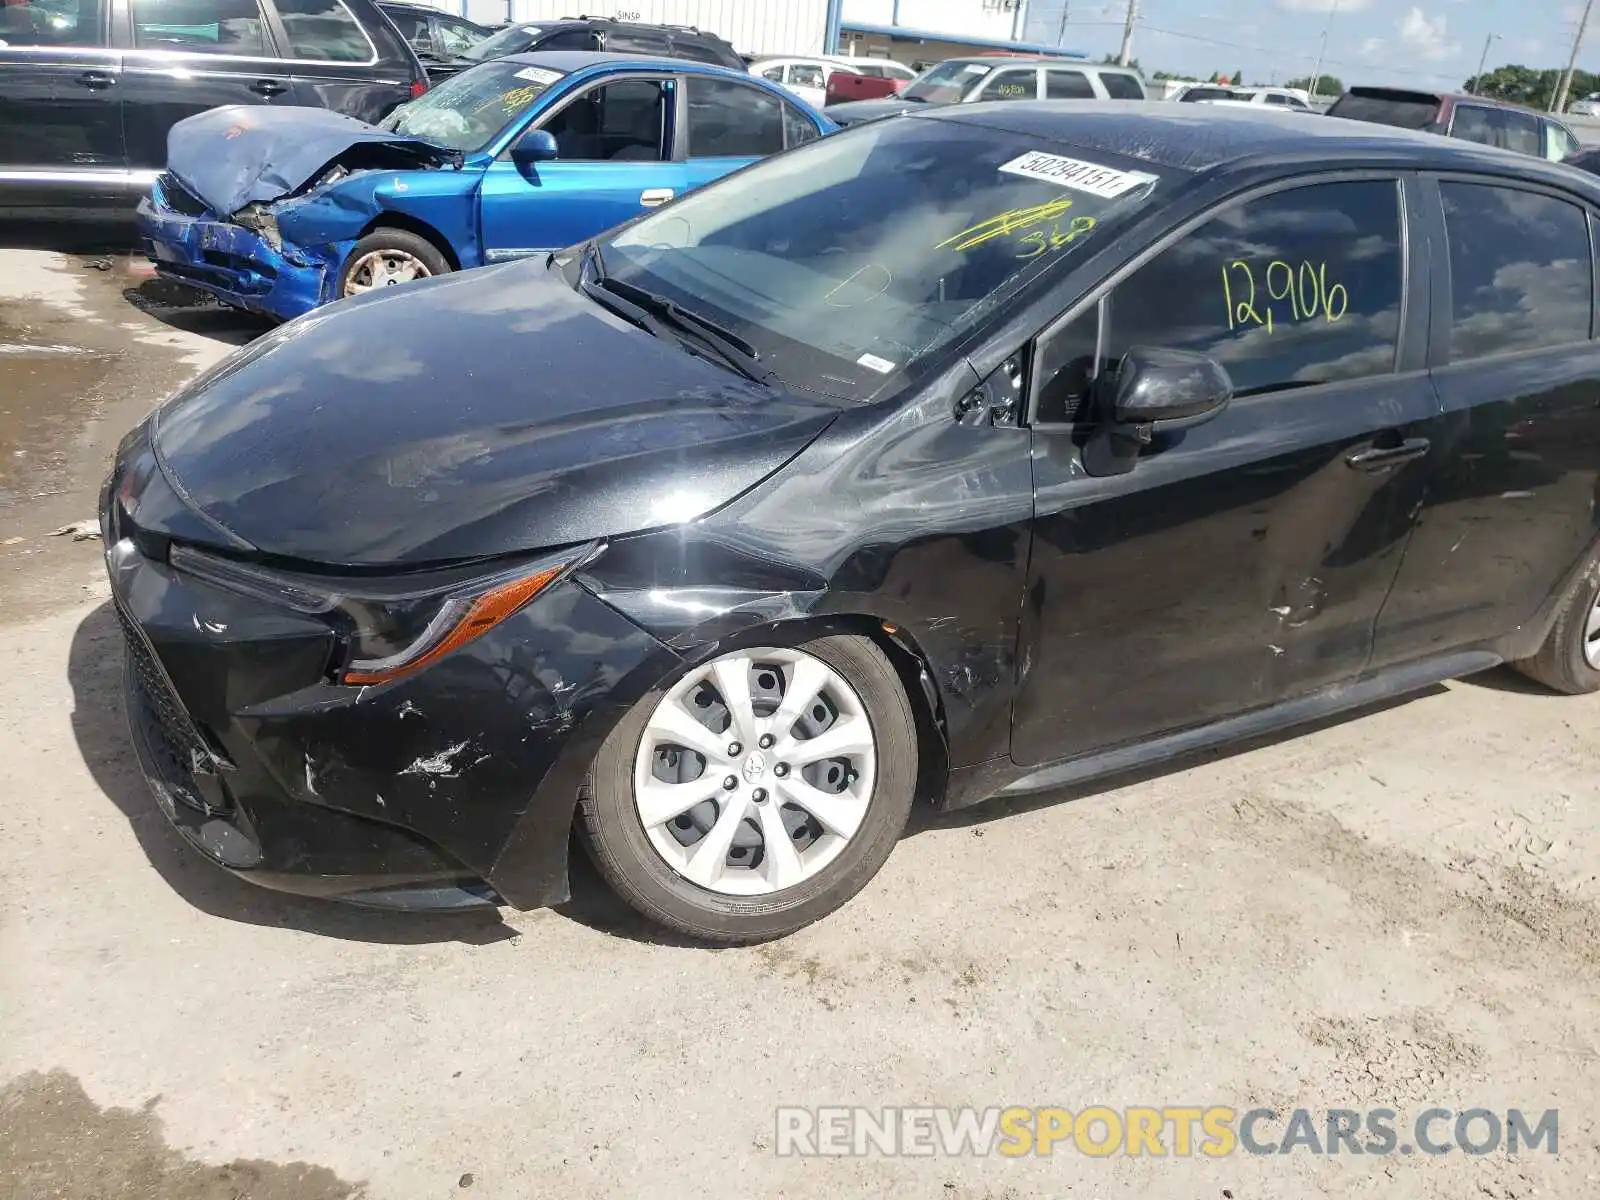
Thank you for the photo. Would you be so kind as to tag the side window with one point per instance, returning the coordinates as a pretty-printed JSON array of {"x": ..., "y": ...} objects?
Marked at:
[
  {"x": 1295, "y": 288},
  {"x": 1558, "y": 142},
  {"x": 207, "y": 26},
  {"x": 1280, "y": 101},
  {"x": 1067, "y": 85},
  {"x": 1522, "y": 133},
  {"x": 457, "y": 36},
  {"x": 1472, "y": 124},
  {"x": 797, "y": 127},
  {"x": 1519, "y": 270},
  {"x": 683, "y": 47},
  {"x": 807, "y": 75},
  {"x": 621, "y": 122},
  {"x": 773, "y": 73},
  {"x": 1121, "y": 87},
  {"x": 324, "y": 31},
  {"x": 1010, "y": 85},
  {"x": 732, "y": 120},
  {"x": 638, "y": 41},
  {"x": 568, "y": 39},
  {"x": 52, "y": 23},
  {"x": 413, "y": 28}
]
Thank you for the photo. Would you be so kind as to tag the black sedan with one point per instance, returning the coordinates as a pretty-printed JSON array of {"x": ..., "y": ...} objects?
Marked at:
[{"x": 950, "y": 456}]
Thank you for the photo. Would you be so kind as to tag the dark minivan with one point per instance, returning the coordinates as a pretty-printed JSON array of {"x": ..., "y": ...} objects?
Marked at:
[
  {"x": 1470, "y": 118},
  {"x": 599, "y": 33},
  {"x": 89, "y": 88}
]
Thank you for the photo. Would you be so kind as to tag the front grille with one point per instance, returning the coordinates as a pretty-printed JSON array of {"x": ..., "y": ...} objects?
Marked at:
[
  {"x": 179, "y": 198},
  {"x": 171, "y": 721}
]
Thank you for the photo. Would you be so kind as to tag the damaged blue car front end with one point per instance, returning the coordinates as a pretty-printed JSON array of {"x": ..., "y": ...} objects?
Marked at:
[{"x": 261, "y": 207}]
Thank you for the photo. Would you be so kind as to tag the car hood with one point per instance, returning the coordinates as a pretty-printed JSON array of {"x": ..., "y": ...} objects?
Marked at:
[
  {"x": 854, "y": 112},
  {"x": 244, "y": 154},
  {"x": 477, "y": 414}
]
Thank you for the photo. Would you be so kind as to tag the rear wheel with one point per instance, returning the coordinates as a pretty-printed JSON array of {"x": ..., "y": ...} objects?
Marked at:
[
  {"x": 757, "y": 791},
  {"x": 386, "y": 257},
  {"x": 1569, "y": 660}
]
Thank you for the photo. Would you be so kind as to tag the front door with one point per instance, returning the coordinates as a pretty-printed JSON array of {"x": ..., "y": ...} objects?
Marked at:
[
  {"x": 187, "y": 56},
  {"x": 1244, "y": 561},
  {"x": 614, "y": 161},
  {"x": 729, "y": 124},
  {"x": 60, "y": 96}
]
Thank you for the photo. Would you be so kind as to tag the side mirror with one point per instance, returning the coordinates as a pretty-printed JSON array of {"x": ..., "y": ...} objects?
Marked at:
[
  {"x": 535, "y": 146},
  {"x": 1157, "y": 391}
]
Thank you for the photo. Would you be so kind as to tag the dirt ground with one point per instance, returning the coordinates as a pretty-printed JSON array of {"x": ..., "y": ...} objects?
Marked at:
[{"x": 1400, "y": 909}]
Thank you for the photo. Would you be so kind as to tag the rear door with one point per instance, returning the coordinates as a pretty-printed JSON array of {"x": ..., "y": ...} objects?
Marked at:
[
  {"x": 615, "y": 143},
  {"x": 727, "y": 124},
  {"x": 1244, "y": 561},
  {"x": 60, "y": 105},
  {"x": 1513, "y": 504},
  {"x": 1061, "y": 83},
  {"x": 360, "y": 68},
  {"x": 186, "y": 56}
]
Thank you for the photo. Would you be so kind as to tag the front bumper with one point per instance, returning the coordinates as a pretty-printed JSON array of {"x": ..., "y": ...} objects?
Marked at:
[
  {"x": 452, "y": 787},
  {"x": 193, "y": 246}
]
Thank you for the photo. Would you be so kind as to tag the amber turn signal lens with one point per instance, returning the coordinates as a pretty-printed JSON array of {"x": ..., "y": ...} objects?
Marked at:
[{"x": 487, "y": 611}]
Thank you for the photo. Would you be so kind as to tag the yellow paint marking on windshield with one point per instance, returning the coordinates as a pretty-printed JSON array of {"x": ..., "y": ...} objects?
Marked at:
[
  {"x": 1038, "y": 242},
  {"x": 1007, "y": 222}
]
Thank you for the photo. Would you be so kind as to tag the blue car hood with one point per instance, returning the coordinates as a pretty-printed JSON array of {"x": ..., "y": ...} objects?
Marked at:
[{"x": 243, "y": 154}]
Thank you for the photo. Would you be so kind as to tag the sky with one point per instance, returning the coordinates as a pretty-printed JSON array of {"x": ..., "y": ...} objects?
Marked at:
[{"x": 1432, "y": 43}]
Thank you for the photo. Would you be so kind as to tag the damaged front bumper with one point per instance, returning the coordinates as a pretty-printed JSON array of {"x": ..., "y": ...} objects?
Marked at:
[{"x": 239, "y": 266}]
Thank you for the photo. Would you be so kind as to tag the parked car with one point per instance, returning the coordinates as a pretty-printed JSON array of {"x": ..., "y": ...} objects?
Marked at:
[
  {"x": 1470, "y": 118},
  {"x": 1000, "y": 77},
  {"x": 283, "y": 210},
  {"x": 437, "y": 37},
  {"x": 87, "y": 93},
  {"x": 602, "y": 33},
  {"x": 807, "y": 78},
  {"x": 1589, "y": 106},
  {"x": 937, "y": 457},
  {"x": 870, "y": 79},
  {"x": 1273, "y": 97}
]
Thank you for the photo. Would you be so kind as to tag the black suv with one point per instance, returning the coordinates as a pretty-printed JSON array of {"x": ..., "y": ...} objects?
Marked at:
[
  {"x": 89, "y": 88},
  {"x": 600, "y": 33},
  {"x": 437, "y": 37}
]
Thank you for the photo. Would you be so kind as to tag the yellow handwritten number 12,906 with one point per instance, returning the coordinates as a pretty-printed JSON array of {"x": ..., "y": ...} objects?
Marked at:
[{"x": 1306, "y": 289}]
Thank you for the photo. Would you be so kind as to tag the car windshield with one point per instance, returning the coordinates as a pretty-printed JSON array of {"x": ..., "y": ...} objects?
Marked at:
[
  {"x": 947, "y": 82},
  {"x": 848, "y": 260},
  {"x": 512, "y": 40},
  {"x": 466, "y": 111}
]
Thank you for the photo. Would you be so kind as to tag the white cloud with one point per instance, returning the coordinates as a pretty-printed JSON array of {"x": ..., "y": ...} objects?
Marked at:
[
  {"x": 1417, "y": 37},
  {"x": 1322, "y": 6}
]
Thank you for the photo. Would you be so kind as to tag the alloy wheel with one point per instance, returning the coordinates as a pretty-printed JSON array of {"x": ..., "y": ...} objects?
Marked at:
[
  {"x": 754, "y": 771},
  {"x": 1591, "y": 635},
  {"x": 384, "y": 268}
]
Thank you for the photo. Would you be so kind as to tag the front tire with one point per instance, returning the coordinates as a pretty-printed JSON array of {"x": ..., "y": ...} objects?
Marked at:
[
  {"x": 755, "y": 792},
  {"x": 1569, "y": 660},
  {"x": 386, "y": 257}
]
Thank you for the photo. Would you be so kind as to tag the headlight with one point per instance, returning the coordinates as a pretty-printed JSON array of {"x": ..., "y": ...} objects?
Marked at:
[{"x": 397, "y": 626}]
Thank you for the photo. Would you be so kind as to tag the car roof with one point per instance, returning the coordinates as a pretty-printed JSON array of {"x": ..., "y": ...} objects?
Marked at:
[
  {"x": 568, "y": 61},
  {"x": 1049, "y": 60},
  {"x": 1195, "y": 138}
]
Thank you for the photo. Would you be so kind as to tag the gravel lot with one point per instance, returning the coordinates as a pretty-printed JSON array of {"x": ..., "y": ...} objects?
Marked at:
[{"x": 1399, "y": 909}]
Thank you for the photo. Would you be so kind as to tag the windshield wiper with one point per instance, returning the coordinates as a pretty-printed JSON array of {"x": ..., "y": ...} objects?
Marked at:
[{"x": 735, "y": 350}]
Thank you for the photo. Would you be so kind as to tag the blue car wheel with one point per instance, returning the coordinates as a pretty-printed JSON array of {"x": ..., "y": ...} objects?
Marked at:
[{"x": 386, "y": 257}]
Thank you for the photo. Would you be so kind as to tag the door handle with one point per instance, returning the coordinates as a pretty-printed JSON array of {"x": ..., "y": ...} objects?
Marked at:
[
  {"x": 1380, "y": 457},
  {"x": 652, "y": 197},
  {"x": 268, "y": 87},
  {"x": 95, "y": 80}
]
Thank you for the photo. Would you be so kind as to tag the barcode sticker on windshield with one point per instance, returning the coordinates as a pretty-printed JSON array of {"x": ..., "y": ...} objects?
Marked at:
[
  {"x": 1076, "y": 174},
  {"x": 538, "y": 75},
  {"x": 873, "y": 363}
]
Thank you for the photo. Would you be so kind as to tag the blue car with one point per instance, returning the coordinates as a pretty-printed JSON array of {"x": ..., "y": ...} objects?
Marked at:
[{"x": 279, "y": 210}]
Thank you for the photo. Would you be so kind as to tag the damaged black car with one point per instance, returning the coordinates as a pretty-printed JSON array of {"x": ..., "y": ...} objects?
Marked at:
[{"x": 953, "y": 456}]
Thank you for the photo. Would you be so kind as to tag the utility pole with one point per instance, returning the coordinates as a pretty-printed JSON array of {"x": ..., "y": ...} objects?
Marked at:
[
  {"x": 1558, "y": 103},
  {"x": 1125, "y": 55},
  {"x": 1322, "y": 47},
  {"x": 1477, "y": 80},
  {"x": 1061, "y": 29}
]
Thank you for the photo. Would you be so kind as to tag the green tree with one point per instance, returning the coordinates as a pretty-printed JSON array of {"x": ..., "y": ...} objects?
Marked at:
[
  {"x": 1238, "y": 77},
  {"x": 1534, "y": 87},
  {"x": 1327, "y": 85}
]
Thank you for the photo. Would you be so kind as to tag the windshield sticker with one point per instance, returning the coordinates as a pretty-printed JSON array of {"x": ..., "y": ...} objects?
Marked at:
[
  {"x": 538, "y": 75},
  {"x": 1080, "y": 176},
  {"x": 978, "y": 68},
  {"x": 873, "y": 363}
]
